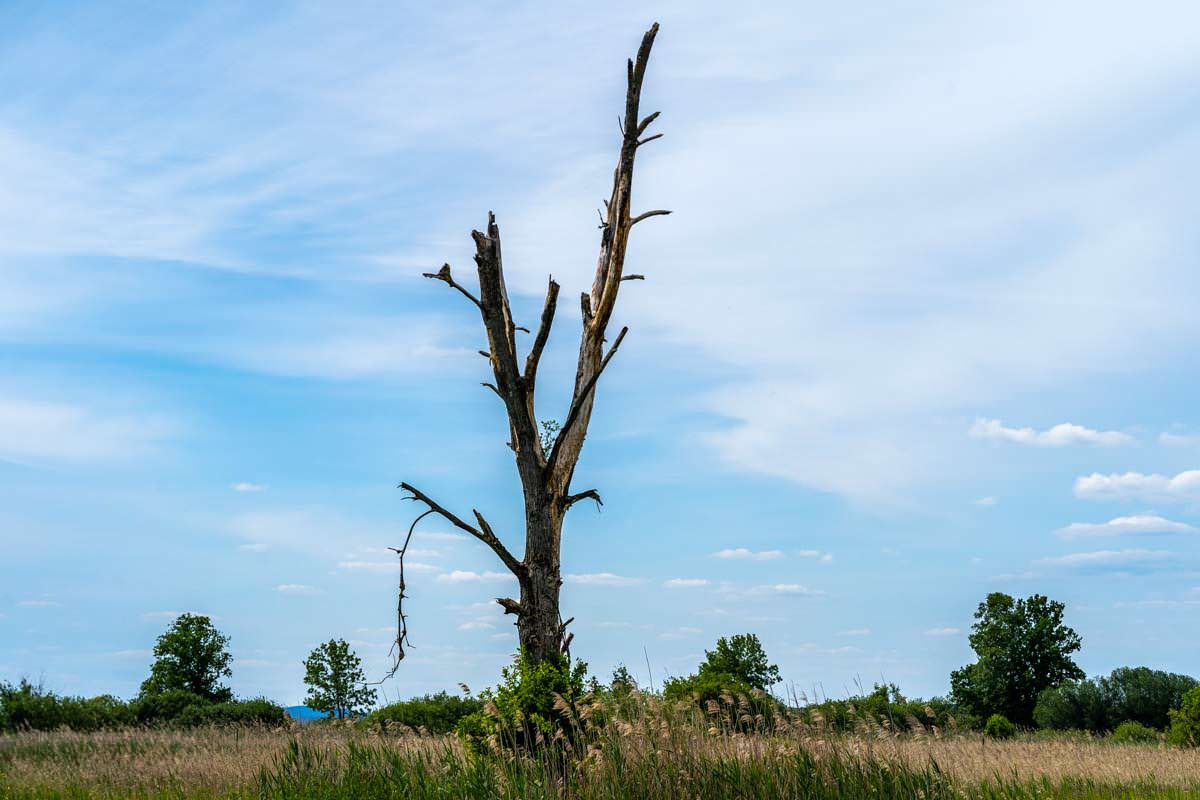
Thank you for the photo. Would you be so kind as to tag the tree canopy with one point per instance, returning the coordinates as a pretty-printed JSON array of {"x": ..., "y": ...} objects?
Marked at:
[
  {"x": 336, "y": 681},
  {"x": 741, "y": 656},
  {"x": 1023, "y": 648},
  {"x": 192, "y": 656}
]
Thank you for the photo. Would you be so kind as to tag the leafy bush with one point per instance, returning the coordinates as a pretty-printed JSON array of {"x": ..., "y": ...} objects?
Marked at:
[
  {"x": 998, "y": 727},
  {"x": 236, "y": 712},
  {"x": 165, "y": 707},
  {"x": 526, "y": 706},
  {"x": 436, "y": 713},
  {"x": 1131, "y": 732},
  {"x": 29, "y": 707},
  {"x": 1185, "y": 721},
  {"x": 1136, "y": 694},
  {"x": 720, "y": 693}
]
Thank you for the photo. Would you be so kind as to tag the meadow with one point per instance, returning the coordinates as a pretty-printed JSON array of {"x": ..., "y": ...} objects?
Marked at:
[{"x": 647, "y": 748}]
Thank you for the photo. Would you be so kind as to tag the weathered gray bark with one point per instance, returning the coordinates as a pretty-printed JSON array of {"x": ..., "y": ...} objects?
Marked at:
[{"x": 546, "y": 477}]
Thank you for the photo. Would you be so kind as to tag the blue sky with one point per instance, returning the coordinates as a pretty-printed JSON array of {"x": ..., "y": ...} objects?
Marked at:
[{"x": 921, "y": 327}]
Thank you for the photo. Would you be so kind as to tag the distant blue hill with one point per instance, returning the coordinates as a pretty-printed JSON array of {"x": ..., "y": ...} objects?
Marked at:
[{"x": 303, "y": 714}]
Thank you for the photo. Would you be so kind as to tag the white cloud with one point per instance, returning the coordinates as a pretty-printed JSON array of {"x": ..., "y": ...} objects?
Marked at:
[
  {"x": 440, "y": 536},
  {"x": 467, "y": 576},
  {"x": 387, "y": 566},
  {"x": 602, "y": 579},
  {"x": 684, "y": 583},
  {"x": 1060, "y": 435},
  {"x": 1107, "y": 558},
  {"x": 477, "y": 625},
  {"x": 39, "y": 604},
  {"x": 254, "y": 547},
  {"x": 1138, "y": 524},
  {"x": 823, "y": 557},
  {"x": 986, "y": 502},
  {"x": 132, "y": 653},
  {"x": 501, "y": 637},
  {"x": 296, "y": 588},
  {"x": 747, "y": 554},
  {"x": 942, "y": 632},
  {"x": 786, "y": 588},
  {"x": 855, "y": 632},
  {"x": 1138, "y": 486},
  {"x": 1027, "y": 575},
  {"x": 248, "y": 487}
]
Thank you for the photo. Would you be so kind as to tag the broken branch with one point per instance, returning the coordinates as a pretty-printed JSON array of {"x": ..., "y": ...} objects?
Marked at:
[
  {"x": 590, "y": 494},
  {"x": 580, "y": 399},
  {"x": 443, "y": 275},
  {"x": 543, "y": 334},
  {"x": 486, "y": 536},
  {"x": 658, "y": 212}
]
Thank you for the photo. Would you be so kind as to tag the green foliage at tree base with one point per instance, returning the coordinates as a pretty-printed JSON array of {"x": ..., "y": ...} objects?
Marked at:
[{"x": 530, "y": 705}]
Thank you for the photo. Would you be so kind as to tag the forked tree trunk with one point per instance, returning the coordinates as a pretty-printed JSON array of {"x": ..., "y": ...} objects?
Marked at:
[{"x": 546, "y": 477}]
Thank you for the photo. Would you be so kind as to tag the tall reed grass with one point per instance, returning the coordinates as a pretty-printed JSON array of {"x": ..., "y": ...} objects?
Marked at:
[{"x": 642, "y": 748}]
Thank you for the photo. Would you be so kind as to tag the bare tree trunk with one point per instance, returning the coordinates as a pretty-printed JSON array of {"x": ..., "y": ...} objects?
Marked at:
[{"x": 546, "y": 477}]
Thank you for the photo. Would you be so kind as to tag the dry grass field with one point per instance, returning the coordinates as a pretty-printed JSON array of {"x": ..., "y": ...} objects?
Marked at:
[{"x": 647, "y": 755}]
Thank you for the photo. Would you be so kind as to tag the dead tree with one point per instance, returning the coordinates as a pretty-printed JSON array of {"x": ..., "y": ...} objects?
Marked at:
[{"x": 546, "y": 477}]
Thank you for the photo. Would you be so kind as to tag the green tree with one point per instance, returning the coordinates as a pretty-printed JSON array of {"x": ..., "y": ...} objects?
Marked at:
[
  {"x": 1185, "y": 721},
  {"x": 191, "y": 656},
  {"x": 335, "y": 680},
  {"x": 741, "y": 657},
  {"x": 1023, "y": 648}
]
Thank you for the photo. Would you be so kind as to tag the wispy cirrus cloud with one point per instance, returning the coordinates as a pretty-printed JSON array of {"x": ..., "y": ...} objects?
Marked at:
[
  {"x": 603, "y": 579},
  {"x": 685, "y": 583},
  {"x": 38, "y": 604},
  {"x": 49, "y": 431},
  {"x": 1129, "y": 557},
  {"x": 1061, "y": 435}
]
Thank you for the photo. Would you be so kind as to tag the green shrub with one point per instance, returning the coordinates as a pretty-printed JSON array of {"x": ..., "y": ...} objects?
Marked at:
[
  {"x": 526, "y": 706},
  {"x": 436, "y": 713},
  {"x": 235, "y": 712},
  {"x": 165, "y": 707},
  {"x": 1185, "y": 721},
  {"x": 29, "y": 707},
  {"x": 1131, "y": 732},
  {"x": 998, "y": 727}
]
